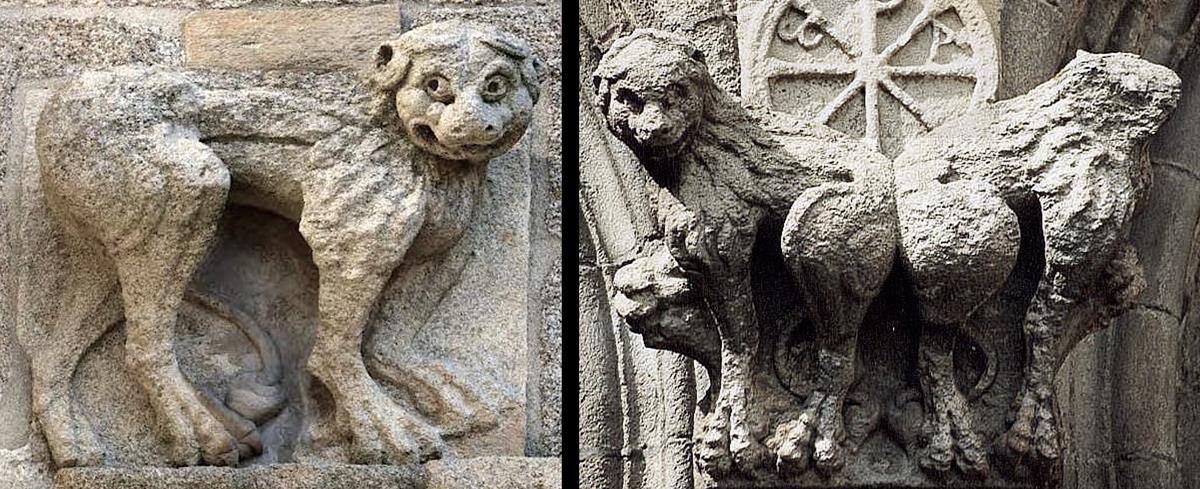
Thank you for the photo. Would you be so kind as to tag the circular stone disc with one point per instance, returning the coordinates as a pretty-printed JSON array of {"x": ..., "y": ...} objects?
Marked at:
[{"x": 880, "y": 70}]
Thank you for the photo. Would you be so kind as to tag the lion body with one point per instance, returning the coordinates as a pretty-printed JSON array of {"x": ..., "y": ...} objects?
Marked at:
[
  {"x": 136, "y": 165},
  {"x": 722, "y": 173}
]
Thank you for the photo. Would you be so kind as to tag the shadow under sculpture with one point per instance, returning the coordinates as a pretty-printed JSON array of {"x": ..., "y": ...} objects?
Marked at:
[
  {"x": 1059, "y": 168},
  {"x": 138, "y": 164}
]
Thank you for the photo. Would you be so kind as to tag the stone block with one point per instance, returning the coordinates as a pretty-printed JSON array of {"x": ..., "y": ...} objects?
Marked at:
[
  {"x": 496, "y": 473},
  {"x": 183, "y": 4},
  {"x": 309, "y": 39},
  {"x": 84, "y": 38},
  {"x": 490, "y": 472},
  {"x": 263, "y": 477}
]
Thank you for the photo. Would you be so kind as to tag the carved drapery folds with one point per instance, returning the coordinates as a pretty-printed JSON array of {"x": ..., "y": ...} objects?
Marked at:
[{"x": 866, "y": 319}]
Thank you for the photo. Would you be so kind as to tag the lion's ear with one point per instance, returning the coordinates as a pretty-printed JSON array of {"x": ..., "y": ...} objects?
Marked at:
[
  {"x": 384, "y": 55},
  {"x": 539, "y": 67},
  {"x": 390, "y": 66}
]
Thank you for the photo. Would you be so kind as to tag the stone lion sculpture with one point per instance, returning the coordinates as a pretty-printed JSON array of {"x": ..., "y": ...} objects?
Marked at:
[
  {"x": 137, "y": 165},
  {"x": 1053, "y": 175},
  {"x": 722, "y": 176},
  {"x": 1059, "y": 169}
]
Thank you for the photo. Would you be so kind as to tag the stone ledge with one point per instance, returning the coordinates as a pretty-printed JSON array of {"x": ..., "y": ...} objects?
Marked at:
[
  {"x": 491, "y": 472},
  {"x": 289, "y": 476}
]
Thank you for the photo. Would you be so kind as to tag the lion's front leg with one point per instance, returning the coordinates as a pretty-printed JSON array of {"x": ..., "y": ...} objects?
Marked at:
[
  {"x": 1033, "y": 437},
  {"x": 358, "y": 240},
  {"x": 732, "y": 432},
  {"x": 381, "y": 431}
]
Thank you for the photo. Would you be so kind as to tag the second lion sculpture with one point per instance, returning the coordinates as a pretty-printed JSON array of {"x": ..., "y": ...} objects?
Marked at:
[
  {"x": 1057, "y": 172},
  {"x": 138, "y": 164},
  {"x": 723, "y": 176}
]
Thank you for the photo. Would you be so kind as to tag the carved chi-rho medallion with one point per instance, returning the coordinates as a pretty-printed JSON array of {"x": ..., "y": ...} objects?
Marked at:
[{"x": 882, "y": 70}]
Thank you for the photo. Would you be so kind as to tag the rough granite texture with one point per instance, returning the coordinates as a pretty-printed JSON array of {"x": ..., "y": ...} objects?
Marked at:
[
  {"x": 186, "y": 4},
  {"x": 491, "y": 472},
  {"x": 1018, "y": 238},
  {"x": 541, "y": 24},
  {"x": 467, "y": 322},
  {"x": 308, "y": 39}
]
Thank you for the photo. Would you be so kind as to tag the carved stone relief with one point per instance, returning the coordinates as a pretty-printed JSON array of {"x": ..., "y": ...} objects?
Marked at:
[
  {"x": 211, "y": 247},
  {"x": 879, "y": 70},
  {"x": 863, "y": 320}
]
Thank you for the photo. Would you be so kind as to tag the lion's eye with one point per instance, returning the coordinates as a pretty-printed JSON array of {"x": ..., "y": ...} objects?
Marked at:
[
  {"x": 495, "y": 88},
  {"x": 438, "y": 87},
  {"x": 631, "y": 100}
]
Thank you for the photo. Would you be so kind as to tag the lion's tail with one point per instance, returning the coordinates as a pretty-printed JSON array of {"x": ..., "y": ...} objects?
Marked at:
[
  {"x": 263, "y": 398},
  {"x": 989, "y": 372}
]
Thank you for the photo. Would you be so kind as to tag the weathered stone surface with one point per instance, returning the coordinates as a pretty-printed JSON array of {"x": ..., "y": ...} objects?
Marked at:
[
  {"x": 541, "y": 25},
  {"x": 282, "y": 116},
  {"x": 492, "y": 472},
  {"x": 497, "y": 472},
  {"x": 311, "y": 39},
  {"x": 83, "y": 39},
  {"x": 289, "y": 476},
  {"x": 540, "y": 22},
  {"x": 21, "y": 469},
  {"x": 1013, "y": 235},
  {"x": 881, "y": 71},
  {"x": 184, "y": 4},
  {"x": 467, "y": 322}
]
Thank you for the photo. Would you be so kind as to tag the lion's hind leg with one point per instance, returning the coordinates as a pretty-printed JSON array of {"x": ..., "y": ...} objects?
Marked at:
[
  {"x": 839, "y": 241},
  {"x": 157, "y": 227},
  {"x": 77, "y": 303},
  {"x": 959, "y": 242}
]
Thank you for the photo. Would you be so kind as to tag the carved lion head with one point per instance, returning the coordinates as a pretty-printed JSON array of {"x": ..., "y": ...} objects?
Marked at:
[
  {"x": 458, "y": 90},
  {"x": 652, "y": 88}
]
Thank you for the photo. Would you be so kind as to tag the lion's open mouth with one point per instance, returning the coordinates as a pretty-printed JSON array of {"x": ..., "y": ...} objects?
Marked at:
[
  {"x": 429, "y": 137},
  {"x": 426, "y": 134}
]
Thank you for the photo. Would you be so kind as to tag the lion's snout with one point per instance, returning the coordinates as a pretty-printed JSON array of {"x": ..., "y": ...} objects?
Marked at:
[
  {"x": 654, "y": 128},
  {"x": 464, "y": 124}
]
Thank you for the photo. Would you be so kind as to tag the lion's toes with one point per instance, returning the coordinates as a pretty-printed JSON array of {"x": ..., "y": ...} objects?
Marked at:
[
  {"x": 828, "y": 455},
  {"x": 791, "y": 443},
  {"x": 1032, "y": 442},
  {"x": 217, "y": 445},
  {"x": 79, "y": 454},
  {"x": 712, "y": 447},
  {"x": 750, "y": 456},
  {"x": 936, "y": 454},
  {"x": 389, "y": 434},
  {"x": 949, "y": 442}
]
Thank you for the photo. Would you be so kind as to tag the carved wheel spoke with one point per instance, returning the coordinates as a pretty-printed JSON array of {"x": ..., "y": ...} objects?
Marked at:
[
  {"x": 909, "y": 103},
  {"x": 776, "y": 68},
  {"x": 918, "y": 23},
  {"x": 953, "y": 70},
  {"x": 839, "y": 101}
]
